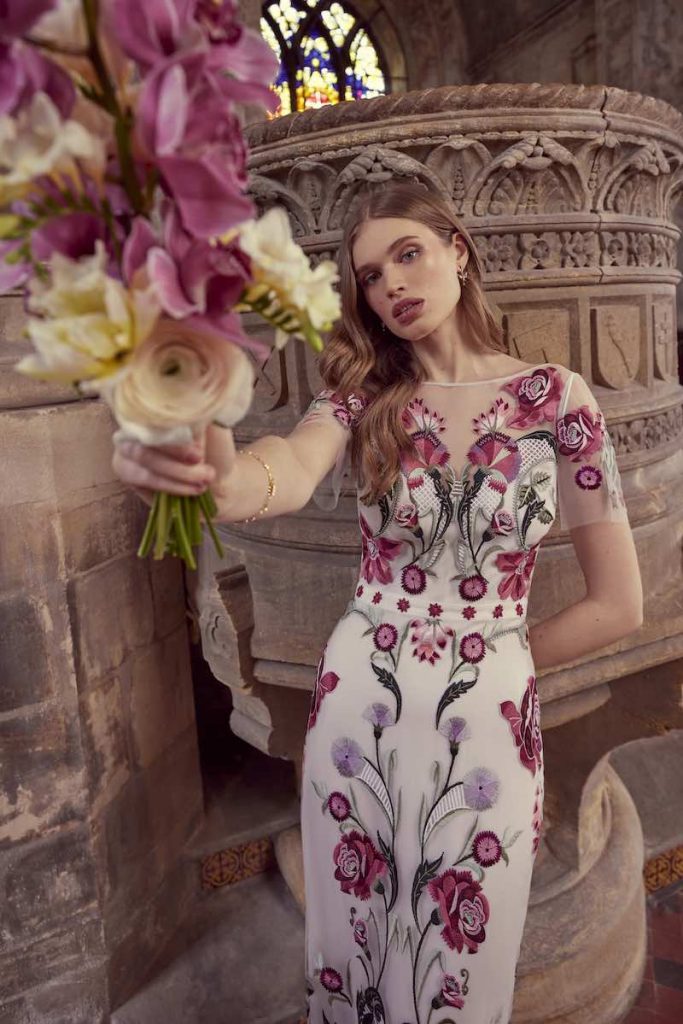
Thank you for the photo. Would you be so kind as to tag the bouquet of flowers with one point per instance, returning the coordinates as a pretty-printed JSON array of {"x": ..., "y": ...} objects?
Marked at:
[{"x": 124, "y": 217}]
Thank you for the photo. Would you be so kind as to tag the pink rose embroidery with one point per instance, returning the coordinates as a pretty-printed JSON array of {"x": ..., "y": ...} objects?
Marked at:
[
  {"x": 378, "y": 552},
  {"x": 538, "y": 395},
  {"x": 519, "y": 565},
  {"x": 358, "y": 863},
  {"x": 463, "y": 908},
  {"x": 580, "y": 433}
]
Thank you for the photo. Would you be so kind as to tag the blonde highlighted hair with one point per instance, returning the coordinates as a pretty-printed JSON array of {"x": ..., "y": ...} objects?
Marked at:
[{"x": 361, "y": 358}]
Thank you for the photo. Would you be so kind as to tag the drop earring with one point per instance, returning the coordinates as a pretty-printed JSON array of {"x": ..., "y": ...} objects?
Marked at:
[{"x": 462, "y": 274}]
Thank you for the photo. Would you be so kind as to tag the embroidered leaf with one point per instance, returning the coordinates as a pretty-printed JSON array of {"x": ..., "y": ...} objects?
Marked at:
[
  {"x": 471, "y": 832},
  {"x": 393, "y": 875},
  {"x": 420, "y": 817},
  {"x": 505, "y": 857},
  {"x": 425, "y": 872},
  {"x": 540, "y": 479},
  {"x": 397, "y": 816},
  {"x": 452, "y": 692},
  {"x": 426, "y": 972},
  {"x": 452, "y": 800},
  {"x": 387, "y": 679},
  {"x": 515, "y": 837},
  {"x": 373, "y": 780},
  {"x": 326, "y": 1019},
  {"x": 320, "y": 790},
  {"x": 368, "y": 631},
  {"x": 545, "y": 516}
]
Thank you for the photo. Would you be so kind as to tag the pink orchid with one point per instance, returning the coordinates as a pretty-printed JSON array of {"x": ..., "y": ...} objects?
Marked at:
[
  {"x": 185, "y": 126},
  {"x": 194, "y": 280},
  {"x": 158, "y": 29},
  {"x": 24, "y": 72},
  {"x": 18, "y": 16}
]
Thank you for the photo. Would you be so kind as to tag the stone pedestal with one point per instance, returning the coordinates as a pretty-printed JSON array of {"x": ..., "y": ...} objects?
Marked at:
[{"x": 569, "y": 193}]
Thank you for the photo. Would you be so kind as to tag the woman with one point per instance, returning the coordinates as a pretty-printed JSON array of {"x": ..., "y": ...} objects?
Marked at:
[{"x": 422, "y": 787}]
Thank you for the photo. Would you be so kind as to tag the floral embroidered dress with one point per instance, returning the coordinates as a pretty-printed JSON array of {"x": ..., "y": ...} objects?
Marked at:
[{"x": 422, "y": 790}]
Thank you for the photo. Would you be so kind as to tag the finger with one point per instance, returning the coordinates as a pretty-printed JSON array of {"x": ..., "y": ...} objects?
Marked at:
[
  {"x": 220, "y": 449},
  {"x": 140, "y": 477},
  {"x": 160, "y": 463},
  {"x": 192, "y": 452},
  {"x": 136, "y": 475}
]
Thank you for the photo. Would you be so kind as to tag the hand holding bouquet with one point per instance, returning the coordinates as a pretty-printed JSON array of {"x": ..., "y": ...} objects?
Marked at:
[{"x": 125, "y": 219}]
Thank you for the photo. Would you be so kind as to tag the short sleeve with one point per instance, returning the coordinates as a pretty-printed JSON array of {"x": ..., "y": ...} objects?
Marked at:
[
  {"x": 588, "y": 482},
  {"x": 330, "y": 405}
]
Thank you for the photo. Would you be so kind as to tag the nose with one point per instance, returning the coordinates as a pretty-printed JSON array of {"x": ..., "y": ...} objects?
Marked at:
[{"x": 393, "y": 282}]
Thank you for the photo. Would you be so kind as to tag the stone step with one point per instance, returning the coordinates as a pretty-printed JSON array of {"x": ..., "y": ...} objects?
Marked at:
[
  {"x": 238, "y": 960},
  {"x": 650, "y": 768},
  {"x": 252, "y": 797}
]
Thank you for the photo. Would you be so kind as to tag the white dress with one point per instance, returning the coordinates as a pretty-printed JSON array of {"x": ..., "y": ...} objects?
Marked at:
[{"x": 422, "y": 790}]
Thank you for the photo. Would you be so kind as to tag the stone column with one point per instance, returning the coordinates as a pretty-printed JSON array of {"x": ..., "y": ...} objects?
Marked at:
[
  {"x": 569, "y": 192},
  {"x": 99, "y": 776}
]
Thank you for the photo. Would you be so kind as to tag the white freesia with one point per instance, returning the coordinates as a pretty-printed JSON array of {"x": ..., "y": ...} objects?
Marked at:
[
  {"x": 180, "y": 379},
  {"x": 277, "y": 258},
  {"x": 298, "y": 299},
  {"x": 39, "y": 142},
  {"x": 64, "y": 26},
  {"x": 85, "y": 322}
]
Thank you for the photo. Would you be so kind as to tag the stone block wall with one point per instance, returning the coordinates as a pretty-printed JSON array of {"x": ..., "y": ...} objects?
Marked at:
[{"x": 100, "y": 787}]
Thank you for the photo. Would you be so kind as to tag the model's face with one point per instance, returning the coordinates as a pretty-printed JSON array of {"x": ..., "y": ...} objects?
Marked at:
[{"x": 396, "y": 259}]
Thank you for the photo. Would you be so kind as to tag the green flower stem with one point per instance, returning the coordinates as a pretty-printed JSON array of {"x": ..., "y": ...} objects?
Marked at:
[
  {"x": 174, "y": 526},
  {"x": 208, "y": 507},
  {"x": 180, "y": 532},
  {"x": 163, "y": 523},
  {"x": 148, "y": 535}
]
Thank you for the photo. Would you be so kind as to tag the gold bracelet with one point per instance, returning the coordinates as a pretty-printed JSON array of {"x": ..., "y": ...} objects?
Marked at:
[{"x": 271, "y": 485}]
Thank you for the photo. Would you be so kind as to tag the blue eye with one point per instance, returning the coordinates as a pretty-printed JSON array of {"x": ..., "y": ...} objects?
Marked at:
[{"x": 408, "y": 252}]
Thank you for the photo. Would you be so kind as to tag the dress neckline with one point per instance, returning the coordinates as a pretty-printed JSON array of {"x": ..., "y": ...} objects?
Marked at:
[{"x": 483, "y": 380}]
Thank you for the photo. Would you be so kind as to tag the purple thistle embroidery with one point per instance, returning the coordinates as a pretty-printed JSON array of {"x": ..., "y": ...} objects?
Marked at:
[
  {"x": 379, "y": 715},
  {"x": 331, "y": 979},
  {"x": 588, "y": 478},
  {"x": 486, "y": 848},
  {"x": 347, "y": 757},
  {"x": 339, "y": 806},
  {"x": 455, "y": 729},
  {"x": 480, "y": 787}
]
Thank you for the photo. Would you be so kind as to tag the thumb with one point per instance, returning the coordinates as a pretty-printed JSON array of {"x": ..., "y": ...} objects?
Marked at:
[{"x": 219, "y": 449}]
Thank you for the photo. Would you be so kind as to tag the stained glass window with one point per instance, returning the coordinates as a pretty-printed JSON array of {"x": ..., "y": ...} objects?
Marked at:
[{"x": 326, "y": 53}]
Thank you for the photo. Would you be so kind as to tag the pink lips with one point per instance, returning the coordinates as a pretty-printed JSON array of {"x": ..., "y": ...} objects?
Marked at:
[{"x": 411, "y": 312}]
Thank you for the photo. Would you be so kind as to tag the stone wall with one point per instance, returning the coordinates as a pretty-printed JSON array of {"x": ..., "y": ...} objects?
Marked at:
[{"x": 99, "y": 777}]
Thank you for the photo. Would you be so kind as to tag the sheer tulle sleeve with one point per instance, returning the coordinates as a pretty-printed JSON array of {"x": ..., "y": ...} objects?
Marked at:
[
  {"x": 328, "y": 405},
  {"x": 588, "y": 482}
]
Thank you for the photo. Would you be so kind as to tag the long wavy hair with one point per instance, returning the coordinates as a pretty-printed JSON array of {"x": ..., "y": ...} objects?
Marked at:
[{"x": 360, "y": 357}]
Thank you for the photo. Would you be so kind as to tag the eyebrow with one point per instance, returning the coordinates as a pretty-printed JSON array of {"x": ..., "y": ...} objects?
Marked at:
[{"x": 394, "y": 245}]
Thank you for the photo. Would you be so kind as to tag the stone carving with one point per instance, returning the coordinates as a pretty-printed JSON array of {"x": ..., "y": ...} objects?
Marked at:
[
  {"x": 663, "y": 314},
  {"x": 539, "y": 335},
  {"x": 616, "y": 344}
]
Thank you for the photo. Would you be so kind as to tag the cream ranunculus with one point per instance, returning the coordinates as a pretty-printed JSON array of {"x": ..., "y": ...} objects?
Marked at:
[
  {"x": 38, "y": 142},
  {"x": 87, "y": 322},
  {"x": 180, "y": 379}
]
